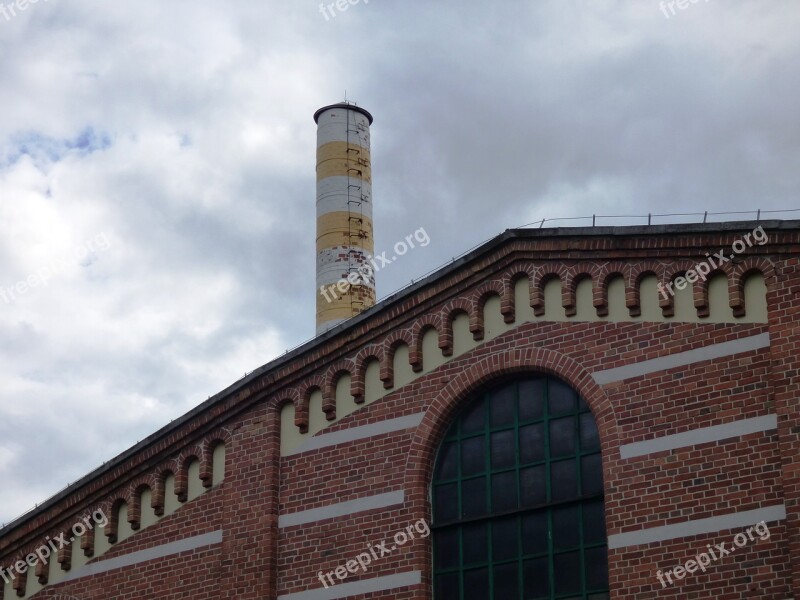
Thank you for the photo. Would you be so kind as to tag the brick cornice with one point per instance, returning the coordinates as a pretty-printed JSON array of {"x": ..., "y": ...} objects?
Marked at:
[{"x": 503, "y": 257}]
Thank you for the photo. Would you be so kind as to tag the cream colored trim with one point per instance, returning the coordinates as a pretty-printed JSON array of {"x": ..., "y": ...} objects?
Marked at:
[
  {"x": 682, "y": 359},
  {"x": 342, "y": 509},
  {"x": 702, "y": 435},
  {"x": 697, "y": 527}
]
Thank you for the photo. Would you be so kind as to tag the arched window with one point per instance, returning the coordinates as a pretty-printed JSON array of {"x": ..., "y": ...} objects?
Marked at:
[{"x": 518, "y": 498}]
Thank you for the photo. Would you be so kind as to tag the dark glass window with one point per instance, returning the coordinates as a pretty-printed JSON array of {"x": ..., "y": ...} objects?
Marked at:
[{"x": 518, "y": 507}]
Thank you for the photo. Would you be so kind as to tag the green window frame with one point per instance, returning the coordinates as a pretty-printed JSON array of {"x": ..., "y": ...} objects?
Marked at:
[{"x": 517, "y": 494}]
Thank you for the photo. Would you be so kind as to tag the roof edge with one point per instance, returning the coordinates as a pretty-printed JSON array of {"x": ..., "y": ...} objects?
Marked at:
[{"x": 556, "y": 232}]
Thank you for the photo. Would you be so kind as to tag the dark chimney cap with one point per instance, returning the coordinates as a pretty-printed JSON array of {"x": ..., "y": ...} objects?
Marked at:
[{"x": 343, "y": 105}]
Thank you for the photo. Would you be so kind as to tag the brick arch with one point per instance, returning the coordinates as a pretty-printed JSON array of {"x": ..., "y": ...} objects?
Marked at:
[
  {"x": 147, "y": 480},
  {"x": 160, "y": 489},
  {"x": 459, "y": 305},
  {"x": 311, "y": 385},
  {"x": 642, "y": 269},
  {"x": 292, "y": 396},
  {"x": 362, "y": 359},
  {"x": 332, "y": 375},
  {"x": 756, "y": 264},
  {"x": 633, "y": 292},
  {"x": 604, "y": 275},
  {"x": 510, "y": 276},
  {"x": 481, "y": 295},
  {"x": 182, "y": 474},
  {"x": 700, "y": 290},
  {"x": 575, "y": 275},
  {"x": 207, "y": 446},
  {"x": 450, "y": 400},
  {"x": 544, "y": 274},
  {"x": 670, "y": 272},
  {"x": 421, "y": 326},
  {"x": 390, "y": 345},
  {"x": 112, "y": 527},
  {"x": 678, "y": 267},
  {"x": 447, "y": 315},
  {"x": 223, "y": 435},
  {"x": 741, "y": 272},
  {"x": 135, "y": 490},
  {"x": 103, "y": 506}
]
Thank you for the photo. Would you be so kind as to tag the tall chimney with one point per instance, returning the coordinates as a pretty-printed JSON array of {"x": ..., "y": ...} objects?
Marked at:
[{"x": 345, "y": 242}]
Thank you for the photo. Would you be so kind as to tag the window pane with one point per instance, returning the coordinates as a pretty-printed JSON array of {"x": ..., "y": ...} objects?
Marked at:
[
  {"x": 503, "y": 451},
  {"x": 534, "y": 533},
  {"x": 590, "y": 439},
  {"x": 447, "y": 587},
  {"x": 506, "y": 582},
  {"x": 473, "y": 497},
  {"x": 446, "y": 547},
  {"x": 531, "y": 399},
  {"x": 533, "y": 486},
  {"x": 562, "y": 398},
  {"x": 504, "y": 539},
  {"x": 504, "y": 491},
  {"x": 448, "y": 461},
  {"x": 531, "y": 443},
  {"x": 563, "y": 480},
  {"x": 567, "y": 571},
  {"x": 493, "y": 528},
  {"x": 473, "y": 457},
  {"x": 596, "y": 568},
  {"x": 473, "y": 418},
  {"x": 502, "y": 406},
  {"x": 446, "y": 502},
  {"x": 476, "y": 543},
  {"x": 594, "y": 523},
  {"x": 562, "y": 437},
  {"x": 476, "y": 584},
  {"x": 535, "y": 577},
  {"x": 566, "y": 528},
  {"x": 591, "y": 475}
]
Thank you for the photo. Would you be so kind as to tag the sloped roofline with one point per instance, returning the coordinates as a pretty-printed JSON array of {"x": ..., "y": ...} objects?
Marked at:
[{"x": 387, "y": 303}]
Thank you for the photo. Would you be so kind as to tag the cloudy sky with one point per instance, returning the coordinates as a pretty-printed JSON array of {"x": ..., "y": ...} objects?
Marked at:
[{"x": 157, "y": 169}]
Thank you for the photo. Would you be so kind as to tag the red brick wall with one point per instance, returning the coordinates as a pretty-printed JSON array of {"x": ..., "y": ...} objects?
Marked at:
[{"x": 257, "y": 559}]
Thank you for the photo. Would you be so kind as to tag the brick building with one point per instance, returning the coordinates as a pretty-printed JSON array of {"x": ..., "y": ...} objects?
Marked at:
[
  {"x": 559, "y": 424},
  {"x": 560, "y": 414}
]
